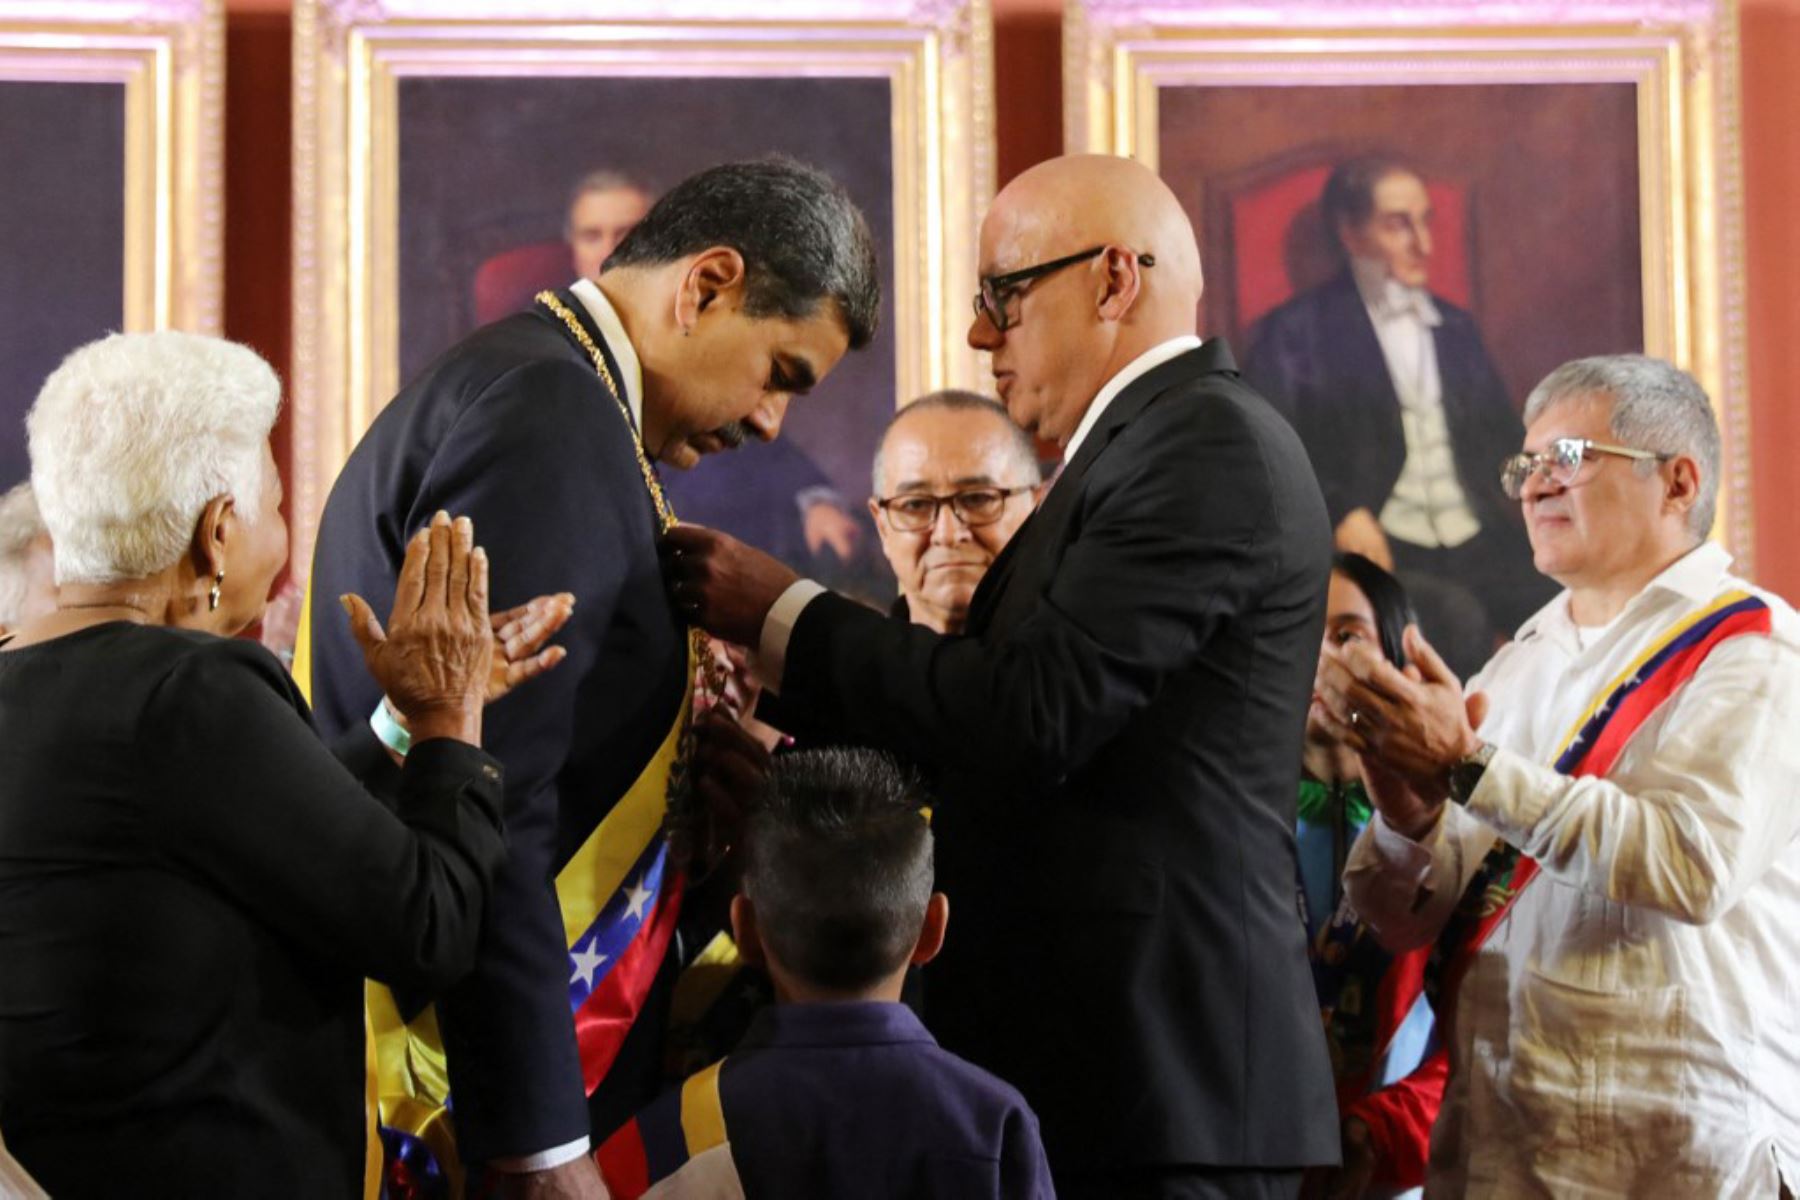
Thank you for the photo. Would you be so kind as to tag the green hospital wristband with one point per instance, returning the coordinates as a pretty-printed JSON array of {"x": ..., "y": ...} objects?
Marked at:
[{"x": 392, "y": 735}]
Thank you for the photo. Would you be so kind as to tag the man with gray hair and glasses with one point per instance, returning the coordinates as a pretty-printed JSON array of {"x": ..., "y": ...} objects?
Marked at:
[
  {"x": 954, "y": 479},
  {"x": 1600, "y": 840}
]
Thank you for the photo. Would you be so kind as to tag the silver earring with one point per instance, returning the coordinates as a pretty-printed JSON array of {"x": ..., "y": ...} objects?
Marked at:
[{"x": 212, "y": 597}]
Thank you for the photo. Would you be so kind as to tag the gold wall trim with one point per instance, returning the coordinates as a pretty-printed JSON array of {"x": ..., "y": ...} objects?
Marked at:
[
  {"x": 1682, "y": 56},
  {"x": 169, "y": 55}
]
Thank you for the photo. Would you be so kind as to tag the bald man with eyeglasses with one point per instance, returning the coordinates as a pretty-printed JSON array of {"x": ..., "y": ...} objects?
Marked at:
[{"x": 1116, "y": 733}]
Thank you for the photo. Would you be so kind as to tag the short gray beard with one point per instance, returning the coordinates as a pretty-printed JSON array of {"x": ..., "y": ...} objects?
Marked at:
[{"x": 733, "y": 434}]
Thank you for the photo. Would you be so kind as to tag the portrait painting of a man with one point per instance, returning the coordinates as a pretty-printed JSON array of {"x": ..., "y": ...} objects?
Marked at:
[
  {"x": 1397, "y": 274},
  {"x": 1401, "y": 409}
]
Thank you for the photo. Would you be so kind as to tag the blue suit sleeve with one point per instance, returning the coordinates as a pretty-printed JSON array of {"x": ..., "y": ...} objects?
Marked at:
[{"x": 525, "y": 464}]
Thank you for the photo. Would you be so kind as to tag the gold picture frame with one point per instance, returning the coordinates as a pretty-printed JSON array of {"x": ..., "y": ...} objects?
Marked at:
[
  {"x": 352, "y": 55},
  {"x": 167, "y": 57},
  {"x": 1680, "y": 56}
]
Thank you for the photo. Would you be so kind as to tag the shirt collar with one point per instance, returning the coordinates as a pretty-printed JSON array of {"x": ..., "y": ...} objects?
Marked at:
[
  {"x": 1386, "y": 297},
  {"x": 613, "y": 330},
  {"x": 1697, "y": 574},
  {"x": 854, "y": 1023},
  {"x": 1695, "y": 577},
  {"x": 1130, "y": 373}
]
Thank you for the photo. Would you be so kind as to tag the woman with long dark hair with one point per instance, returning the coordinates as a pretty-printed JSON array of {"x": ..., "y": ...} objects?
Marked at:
[{"x": 1377, "y": 1035}]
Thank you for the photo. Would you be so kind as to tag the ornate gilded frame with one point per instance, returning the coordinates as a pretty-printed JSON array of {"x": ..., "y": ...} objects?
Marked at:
[
  {"x": 350, "y": 54},
  {"x": 1682, "y": 56},
  {"x": 170, "y": 57}
]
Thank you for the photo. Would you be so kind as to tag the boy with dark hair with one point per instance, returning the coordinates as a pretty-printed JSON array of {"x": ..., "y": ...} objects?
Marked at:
[{"x": 838, "y": 1090}]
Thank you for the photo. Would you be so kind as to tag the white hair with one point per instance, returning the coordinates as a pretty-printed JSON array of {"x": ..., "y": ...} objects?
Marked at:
[
  {"x": 1656, "y": 406},
  {"x": 20, "y": 526},
  {"x": 131, "y": 438}
]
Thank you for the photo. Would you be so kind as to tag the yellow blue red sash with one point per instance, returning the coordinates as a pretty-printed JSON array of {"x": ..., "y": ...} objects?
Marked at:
[
  {"x": 620, "y": 898},
  {"x": 619, "y": 894},
  {"x": 659, "y": 1142},
  {"x": 1591, "y": 747}
]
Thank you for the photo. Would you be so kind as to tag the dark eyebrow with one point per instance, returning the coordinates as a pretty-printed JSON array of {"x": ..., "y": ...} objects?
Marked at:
[{"x": 796, "y": 373}]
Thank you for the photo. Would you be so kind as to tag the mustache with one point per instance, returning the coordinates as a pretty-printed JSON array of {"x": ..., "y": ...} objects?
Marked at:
[{"x": 733, "y": 434}]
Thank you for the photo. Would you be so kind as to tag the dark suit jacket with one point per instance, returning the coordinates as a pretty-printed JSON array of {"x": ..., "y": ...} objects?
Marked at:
[
  {"x": 181, "y": 961},
  {"x": 1116, "y": 743},
  {"x": 846, "y": 1101},
  {"x": 1318, "y": 361},
  {"x": 514, "y": 429}
]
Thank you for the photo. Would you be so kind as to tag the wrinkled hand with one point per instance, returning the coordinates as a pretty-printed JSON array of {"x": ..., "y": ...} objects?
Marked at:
[
  {"x": 519, "y": 636},
  {"x": 828, "y": 525},
  {"x": 1360, "y": 533},
  {"x": 720, "y": 584},
  {"x": 1416, "y": 722},
  {"x": 432, "y": 661}
]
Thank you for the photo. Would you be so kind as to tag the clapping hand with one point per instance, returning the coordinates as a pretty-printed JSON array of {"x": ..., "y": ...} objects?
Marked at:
[
  {"x": 519, "y": 636},
  {"x": 433, "y": 659},
  {"x": 1410, "y": 726}
]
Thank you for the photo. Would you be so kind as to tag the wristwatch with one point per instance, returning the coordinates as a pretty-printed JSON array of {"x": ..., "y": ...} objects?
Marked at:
[{"x": 1465, "y": 774}]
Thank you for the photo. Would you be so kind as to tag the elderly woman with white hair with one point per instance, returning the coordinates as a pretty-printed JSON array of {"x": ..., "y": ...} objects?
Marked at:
[{"x": 192, "y": 887}]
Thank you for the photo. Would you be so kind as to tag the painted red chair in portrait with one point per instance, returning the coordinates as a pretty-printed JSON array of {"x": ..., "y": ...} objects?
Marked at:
[
  {"x": 1266, "y": 220},
  {"x": 505, "y": 282}
]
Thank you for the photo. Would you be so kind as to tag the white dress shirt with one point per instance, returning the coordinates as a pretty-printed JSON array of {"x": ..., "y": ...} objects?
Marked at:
[
  {"x": 1632, "y": 1025},
  {"x": 770, "y": 658},
  {"x": 1427, "y": 506},
  {"x": 606, "y": 317},
  {"x": 631, "y": 381}
]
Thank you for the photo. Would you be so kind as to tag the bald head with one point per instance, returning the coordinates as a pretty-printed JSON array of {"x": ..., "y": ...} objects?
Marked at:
[
  {"x": 1083, "y": 200},
  {"x": 1072, "y": 329}
]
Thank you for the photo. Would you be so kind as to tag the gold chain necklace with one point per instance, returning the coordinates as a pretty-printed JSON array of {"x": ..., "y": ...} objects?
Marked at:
[
  {"x": 711, "y": 673},
  {"x": 664, "y": 514}
]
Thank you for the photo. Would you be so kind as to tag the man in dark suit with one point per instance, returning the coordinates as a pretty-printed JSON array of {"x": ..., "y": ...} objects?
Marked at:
[
  {"x": 1402, "y": 412},
  {"x": 741, "y": 288},
  {"x": 1116, "y": 734}
]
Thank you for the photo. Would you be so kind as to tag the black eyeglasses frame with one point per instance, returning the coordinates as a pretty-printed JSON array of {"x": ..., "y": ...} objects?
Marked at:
[{"x": 997, "y": 291}]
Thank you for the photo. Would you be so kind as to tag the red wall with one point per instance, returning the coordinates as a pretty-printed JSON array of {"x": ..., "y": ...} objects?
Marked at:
[
  {"x": 1028, "y": 87},
  {"x": 1771, "y": 53}
]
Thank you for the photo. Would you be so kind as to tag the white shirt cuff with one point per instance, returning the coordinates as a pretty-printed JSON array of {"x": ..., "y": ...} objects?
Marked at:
[
  {"x": 770, "y": 659},
  {"x": 543, "y": 1160},
  {"x": 1398, "y": 853},
  {"x": 1514, "y": 795}
]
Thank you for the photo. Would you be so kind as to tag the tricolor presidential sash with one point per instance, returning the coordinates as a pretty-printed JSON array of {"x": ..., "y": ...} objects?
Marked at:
[
  {"x": 619, "y": 895},
  {"x": 1591, "y": 747},
  {"x": 620, "y": 898}
]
